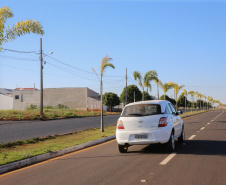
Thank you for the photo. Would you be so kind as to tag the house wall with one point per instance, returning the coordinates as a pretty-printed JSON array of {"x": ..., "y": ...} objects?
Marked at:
[
  {"x": 26, "y": 98},
  {"x": 70, "y": 97},
  {"x": 92, "y": 94},
  {"x": 6, "y": 102}
]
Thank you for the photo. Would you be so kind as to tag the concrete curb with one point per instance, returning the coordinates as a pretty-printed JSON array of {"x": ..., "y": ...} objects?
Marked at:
[{"x": 36, "y": 159}]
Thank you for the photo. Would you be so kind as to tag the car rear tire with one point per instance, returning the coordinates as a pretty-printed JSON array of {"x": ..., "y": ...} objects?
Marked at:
[
  {"x": 122, "y": 148},
  {"x": 170, "y": 145},
  {"x": 181, "y": 139}
]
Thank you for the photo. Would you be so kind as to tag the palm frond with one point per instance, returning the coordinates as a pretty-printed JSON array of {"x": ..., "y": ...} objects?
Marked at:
[
  {"x": 5, "y": 13},
  {"x": 22, "y": 28},
  {"x": 105, "y": 63}
]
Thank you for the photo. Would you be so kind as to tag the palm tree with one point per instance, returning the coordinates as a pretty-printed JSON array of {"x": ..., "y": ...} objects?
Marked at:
[
  {"x": 177, "y": 88},
  {"x": 185, "y": 93},
  {"x": 145, "y": 82},
  {"x": 213, "y": 101},
  {"x": 158, "y": 83},
  {"x": 197, "y": 96},
  {"x": 104, "y": 64},
  {"x": 165, "y": 87},
  {"x": 192, "y": 93},
  {"x": 16, "y": 30},
  {"x": 209, "y": 99},
  {"x": 205, "y": 101}
]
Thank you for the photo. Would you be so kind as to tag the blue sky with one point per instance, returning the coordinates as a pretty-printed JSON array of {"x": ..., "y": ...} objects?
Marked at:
[{"x": 184, "y": 41}]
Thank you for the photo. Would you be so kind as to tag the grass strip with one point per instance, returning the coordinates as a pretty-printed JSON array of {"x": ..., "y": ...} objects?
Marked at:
[
  {"x": 13, "y": 115},
  {"x": 30, "y": 148},
  {"x": 192, "y": 113}
]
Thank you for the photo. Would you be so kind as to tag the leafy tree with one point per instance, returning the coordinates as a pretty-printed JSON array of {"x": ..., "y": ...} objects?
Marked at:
[
  {"x": 111, "y": 99},
  {"x": 165, "y": 97},
  {"x": 145, "y": 82},
  {"x": 200, "y": 103},
  {"x": 130, "y": 94},
  {"x": 16, "y": 30},
  {"x": 147, "y": 96},
  {"x": 182, "y": 100}
]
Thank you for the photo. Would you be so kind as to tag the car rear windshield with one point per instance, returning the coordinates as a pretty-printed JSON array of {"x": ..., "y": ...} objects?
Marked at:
[{"x": 141, "y": 110}]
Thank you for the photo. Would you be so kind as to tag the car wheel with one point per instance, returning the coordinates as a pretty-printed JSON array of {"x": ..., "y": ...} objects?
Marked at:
[
  {"x": 182, "y": 136},
  {"x": 122, "y": 148},
  {"x": 170, "y": 145}
]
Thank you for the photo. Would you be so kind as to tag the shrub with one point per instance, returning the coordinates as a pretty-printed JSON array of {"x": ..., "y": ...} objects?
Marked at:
[
  {"x": 32, "y": 107},
  {"x": 61, "y": 106}
]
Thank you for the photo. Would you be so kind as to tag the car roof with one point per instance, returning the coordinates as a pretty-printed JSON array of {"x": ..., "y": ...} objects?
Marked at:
[{"x": 162, "y": 103}]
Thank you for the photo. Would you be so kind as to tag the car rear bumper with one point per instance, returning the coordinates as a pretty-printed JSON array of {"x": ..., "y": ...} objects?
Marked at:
[{"x": 160, "y": 135}]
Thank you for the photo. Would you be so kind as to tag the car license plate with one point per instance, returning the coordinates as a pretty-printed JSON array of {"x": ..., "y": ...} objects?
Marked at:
[{"x": 141, "y": 136}]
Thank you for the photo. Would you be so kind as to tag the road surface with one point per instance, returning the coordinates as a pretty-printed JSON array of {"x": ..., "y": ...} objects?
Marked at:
[
  {"x": 201, "y": 161},
  {"x": 21, "y": 130}
]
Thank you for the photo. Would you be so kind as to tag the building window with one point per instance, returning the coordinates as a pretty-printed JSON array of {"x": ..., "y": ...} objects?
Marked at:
[{"x": 17, "y": 97}]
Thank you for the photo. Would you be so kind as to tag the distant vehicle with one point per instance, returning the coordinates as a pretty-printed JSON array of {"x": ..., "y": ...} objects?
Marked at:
[{"x": 149, "y": 122}]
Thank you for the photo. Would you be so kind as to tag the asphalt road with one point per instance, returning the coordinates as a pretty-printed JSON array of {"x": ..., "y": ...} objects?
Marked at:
[
  {"x": 200, "y": 161},
  {"x": 21, "y": 130}
]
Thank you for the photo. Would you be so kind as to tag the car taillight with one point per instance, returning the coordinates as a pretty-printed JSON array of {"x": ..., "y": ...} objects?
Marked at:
[
  {"x": 120, "y": 124},
  {"x": 163, "y": 122}
]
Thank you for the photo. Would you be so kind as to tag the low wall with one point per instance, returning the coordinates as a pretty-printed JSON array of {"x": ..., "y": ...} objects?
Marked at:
[{"x": 6, "y": 102}]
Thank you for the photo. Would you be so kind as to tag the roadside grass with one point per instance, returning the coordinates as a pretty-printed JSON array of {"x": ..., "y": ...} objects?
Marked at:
[
  {"x": 7, "y": 115},
  {"x": 191, "y": 113},
  {"x": 18, "y": 150}
]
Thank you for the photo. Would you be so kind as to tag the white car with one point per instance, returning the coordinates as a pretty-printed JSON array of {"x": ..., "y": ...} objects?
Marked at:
[{"x": 149, "y": 122}]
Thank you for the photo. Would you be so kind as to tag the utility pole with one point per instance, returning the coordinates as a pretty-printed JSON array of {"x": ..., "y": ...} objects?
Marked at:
[
  {"x": 41, "y": 80},
  {"x": 126, "y": 86}
]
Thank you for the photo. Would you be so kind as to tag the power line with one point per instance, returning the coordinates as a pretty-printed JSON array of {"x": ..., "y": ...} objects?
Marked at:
[
  {"x": 16, "y": 51},
  {"x": 18, "y": 58}
]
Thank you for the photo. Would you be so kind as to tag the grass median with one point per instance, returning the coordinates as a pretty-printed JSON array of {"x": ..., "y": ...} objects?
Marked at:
[
  {"x": 18, "y": 150},
  {"x": 16, "y": 115}
]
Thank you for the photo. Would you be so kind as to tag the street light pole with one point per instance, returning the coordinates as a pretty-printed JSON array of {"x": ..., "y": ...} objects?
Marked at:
[{"x": 41, "y": 80}]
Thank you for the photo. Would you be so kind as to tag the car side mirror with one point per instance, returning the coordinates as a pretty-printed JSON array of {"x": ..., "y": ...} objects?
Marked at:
[{"x": 180, "y": 112}]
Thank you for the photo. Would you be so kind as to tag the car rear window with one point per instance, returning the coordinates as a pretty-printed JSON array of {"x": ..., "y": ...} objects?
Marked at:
[{"x": 141, "y": 110}]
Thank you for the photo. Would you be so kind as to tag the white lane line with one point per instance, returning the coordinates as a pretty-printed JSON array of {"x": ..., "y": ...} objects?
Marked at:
[
  {"x": 202, "y": 128},
  {"x": 190, "y": 138},
  {"x": 208, "y": 123},
  {"x": 166, "y": 160}
]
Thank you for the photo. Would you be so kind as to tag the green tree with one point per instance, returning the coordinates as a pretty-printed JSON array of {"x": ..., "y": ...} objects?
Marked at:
[
  {"x": 111, "y": 99},
  {"x": 130, "y": 94},
  {"x": 146, "y": 81},
  {"x": 147, "y": 96},
  {"x": 165, "y": 97},
  {"x": 182, "y": 100},
  {"x": 16, "y": 30}
]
